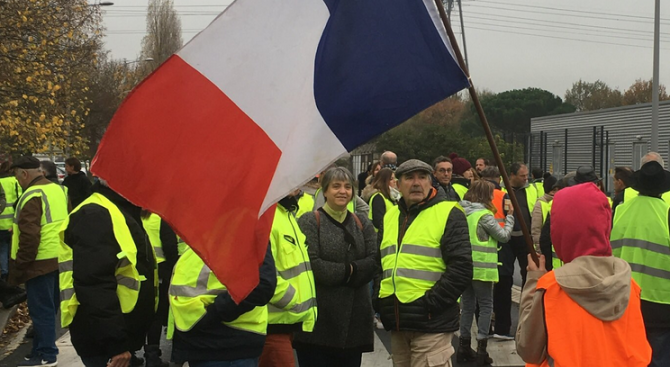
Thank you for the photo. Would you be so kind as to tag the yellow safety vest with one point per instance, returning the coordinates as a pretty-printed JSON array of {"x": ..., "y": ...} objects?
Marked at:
[
  {"x": 411, "y": 269},
  {"x": 387, "y": 203},
  {"x": 294, "y": 299},
  {"x": 54, "y": 212},
  {"x": 194, "y": 287},
  {"x": 127, "y": 277},
  {"x": 305, "y": 204},
  {"x": 539, "y": 188},
  {"x": 546, "y": 208},
  {"x": 484, "y": 253},
  {"x": 152, "y": 225},
  {"x": 640, "y": 236},
  {"x": 182, "y": 247},
  {"x": 460, "y": 190},
  {"x": 630, "y": 193},
  {"x": 531, "y": 197},
  {"x": 13, "y": 192}
]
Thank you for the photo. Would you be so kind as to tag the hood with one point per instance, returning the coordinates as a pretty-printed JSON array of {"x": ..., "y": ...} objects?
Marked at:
[
  {"x": 470, "y": 207},
  {"x": 581, "y": 221},
  {"x": 601, "y": 285}
]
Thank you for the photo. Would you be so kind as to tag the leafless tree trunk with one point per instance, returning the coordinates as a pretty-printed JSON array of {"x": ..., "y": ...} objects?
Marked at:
[{"x": 163, "y": 35}]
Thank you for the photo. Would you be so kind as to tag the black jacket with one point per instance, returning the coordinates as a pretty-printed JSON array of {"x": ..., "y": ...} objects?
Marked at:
[
  {"x": 211, "y": 340},
  {"x": 79, "y": 188},
  {"x": 99, "y": 327},
  {"x": 437, "y": 311}
]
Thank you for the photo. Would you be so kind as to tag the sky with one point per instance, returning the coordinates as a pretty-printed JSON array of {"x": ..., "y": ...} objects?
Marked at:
[{"x": 511, "y": 44}]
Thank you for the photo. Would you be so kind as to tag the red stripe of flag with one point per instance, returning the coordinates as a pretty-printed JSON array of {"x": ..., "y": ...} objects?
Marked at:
[{"x": 181, "y": 148}]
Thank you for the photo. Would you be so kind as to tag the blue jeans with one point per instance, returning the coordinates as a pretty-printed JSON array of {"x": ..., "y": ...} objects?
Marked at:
[
  {"x": 5, "y": 244},
  {"x": 252, "y": 362},
  {"x": 659, "y": 339},
  {"x": 482, "y": 293},
  {"x": 43, "y": 304}
]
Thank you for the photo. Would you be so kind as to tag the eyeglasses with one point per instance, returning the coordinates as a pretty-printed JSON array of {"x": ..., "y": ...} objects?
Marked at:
[{"x": 443, "y": 170}]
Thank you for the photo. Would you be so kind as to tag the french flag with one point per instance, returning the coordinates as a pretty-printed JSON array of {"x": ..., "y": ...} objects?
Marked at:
[{"x": 265, "y": 97}]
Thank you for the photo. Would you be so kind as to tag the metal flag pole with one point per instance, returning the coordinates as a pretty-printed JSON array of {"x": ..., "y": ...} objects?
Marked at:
[{"x": 489, "y": 134}]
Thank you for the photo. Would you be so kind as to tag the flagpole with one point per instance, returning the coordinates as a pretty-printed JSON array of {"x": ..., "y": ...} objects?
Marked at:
[{"x": 489, "y": 134}]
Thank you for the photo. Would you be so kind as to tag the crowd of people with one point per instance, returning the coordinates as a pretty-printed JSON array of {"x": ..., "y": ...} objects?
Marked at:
[{"x": 418, "y": 250}]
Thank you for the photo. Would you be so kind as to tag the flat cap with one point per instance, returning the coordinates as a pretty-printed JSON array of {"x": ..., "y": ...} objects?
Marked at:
[
  {"x": 26, "y": 162},
  {"x": 411, "y": 166}
]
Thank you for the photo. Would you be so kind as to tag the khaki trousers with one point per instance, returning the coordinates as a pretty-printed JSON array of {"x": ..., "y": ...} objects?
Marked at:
[{"x": 414, "y": 349}]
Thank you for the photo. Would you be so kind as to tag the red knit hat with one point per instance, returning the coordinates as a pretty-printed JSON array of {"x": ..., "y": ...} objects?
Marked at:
[
  {"x": 460, "y": 164},
  {"x": 581, "y": 221}
]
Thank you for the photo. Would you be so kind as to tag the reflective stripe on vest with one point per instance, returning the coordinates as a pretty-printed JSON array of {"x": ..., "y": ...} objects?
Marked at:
[
  {"x": 484, "y": 253},
  {"x": 54, "y": 212},
  {"x": 413, "y": 268},
  {"x": 621, "y": 342},
  {"x": 388, "y": 204},
  {"x": 305, "y": 204},
  {"x": 182, "y": 246},
  {"x": 294, "y": 300},
  {"x": 127, "y": 277},
  {"x": 12, "y": 194},
  {"x": 640, "y": 236},
  {"x": 193, "y": 288},
  {"x": 152, "y": 225},
  {"x": 460, "y": 190}
]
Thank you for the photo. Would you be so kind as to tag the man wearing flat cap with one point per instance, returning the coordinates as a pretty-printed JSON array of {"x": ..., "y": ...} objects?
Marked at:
[
  {"x": 641, "y": 236},
  {"x": 426, "y": 260},
  {"x": 34, "y": 254}
]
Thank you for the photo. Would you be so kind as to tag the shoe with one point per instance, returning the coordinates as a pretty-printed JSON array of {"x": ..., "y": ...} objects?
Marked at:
[
  {"x": 483, "y": 358},
  {"x": 39, "y": 361},
  {"x": 378, "y": 324},
  {"x": 13, "y": 299},
  {"x": 465, "y": 353},
  {"x": 28, "y": 357},
  {"x": 503, "y": 337}
]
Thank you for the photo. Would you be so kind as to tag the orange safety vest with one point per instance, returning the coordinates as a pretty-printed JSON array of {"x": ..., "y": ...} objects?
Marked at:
[
  {"x": 575, "y": 338},
  {"x": 499, "y": 203}
]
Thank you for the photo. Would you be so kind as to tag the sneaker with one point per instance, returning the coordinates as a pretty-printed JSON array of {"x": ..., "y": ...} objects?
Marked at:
[
  {"x": 503, "y": 337},
  {"x": 378, "y": 324},
  {"x": 39, "y": 361},
  {"x": 28, "y": 356}
]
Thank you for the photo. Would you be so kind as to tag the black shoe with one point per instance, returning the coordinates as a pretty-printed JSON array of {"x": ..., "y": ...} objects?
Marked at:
[
  {"x": 483, "y": 358},
  {"x": 13, "y": 299},
  {"x": 465, "y": 353}
]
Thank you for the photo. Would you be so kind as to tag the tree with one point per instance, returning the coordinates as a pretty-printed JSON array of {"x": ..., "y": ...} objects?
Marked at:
[
  {"x": 587, "y": 96},
  {"x": 109, "y": 84},
  {"x": 511, "y": 111},
  {"x": 163, "y": 36},
  {"x": 641, "y": 92},
  {"x": 47, "y": 50}
]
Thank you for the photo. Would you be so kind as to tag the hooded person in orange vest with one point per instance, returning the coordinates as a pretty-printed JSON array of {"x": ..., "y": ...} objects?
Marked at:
[{"x": 587, "y": 312}]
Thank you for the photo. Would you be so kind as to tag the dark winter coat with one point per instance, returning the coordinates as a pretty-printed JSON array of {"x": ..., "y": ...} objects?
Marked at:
[
  {"x": 345, "y": 320},
  {"x": 79, "y": 187},
  {"x": 437, "y": 311},
  {"x": 99, "y": 327}
]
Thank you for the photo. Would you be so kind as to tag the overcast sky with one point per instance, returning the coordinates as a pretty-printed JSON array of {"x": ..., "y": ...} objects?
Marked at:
[{"x": 511, "y": 44}]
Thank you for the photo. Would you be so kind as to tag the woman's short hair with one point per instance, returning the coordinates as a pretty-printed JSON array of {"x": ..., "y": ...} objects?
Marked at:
[{"x": 337, "y": 174}]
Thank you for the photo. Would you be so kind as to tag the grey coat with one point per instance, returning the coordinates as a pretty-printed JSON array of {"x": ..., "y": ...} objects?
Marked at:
[
  {"x": 488, "y": 226},
  {"x": 344, "y": 320}
]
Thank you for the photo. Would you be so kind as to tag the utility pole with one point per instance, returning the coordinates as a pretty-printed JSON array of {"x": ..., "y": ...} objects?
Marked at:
[
  {"x": 654, "y": 87},
  {"x": 465, "y": 48}
]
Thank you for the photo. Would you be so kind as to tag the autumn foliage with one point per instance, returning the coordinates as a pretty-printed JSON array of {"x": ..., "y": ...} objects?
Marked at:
[{"x": 48, "y": 50}]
